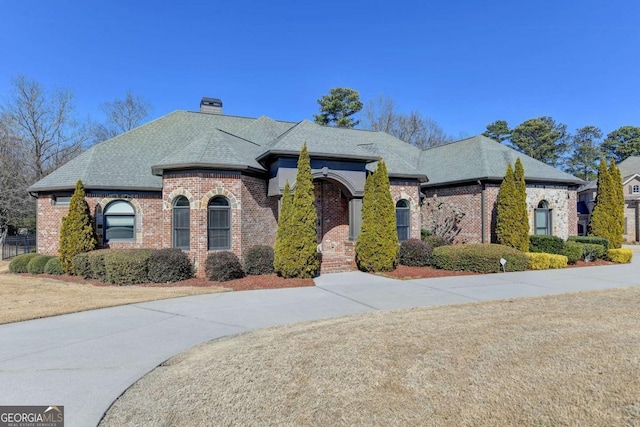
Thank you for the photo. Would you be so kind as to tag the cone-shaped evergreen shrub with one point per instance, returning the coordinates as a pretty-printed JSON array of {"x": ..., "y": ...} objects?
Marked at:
[
  {"x": 512, "y": 222},
  {"x": 377, "y": 246},
  {"x": 299, "y": 254},
  {"x": 283, "y": 234},
  {"x": 76, "y": 234},
  {"x": 603, "y": 217},
  {"x": 617, "y": 205}
]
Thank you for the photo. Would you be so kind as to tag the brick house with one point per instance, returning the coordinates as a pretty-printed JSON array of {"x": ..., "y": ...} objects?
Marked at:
[
  {"x": 205, "y": 181},
  {"x": 467, "y": 175},
  {"x": 630, "y": 172}
]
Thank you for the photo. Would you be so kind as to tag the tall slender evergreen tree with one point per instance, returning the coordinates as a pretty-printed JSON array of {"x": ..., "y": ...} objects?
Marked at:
[
  {"x": 512, "y": 222},
  {"x": 618, "y": 204},
  {"x": 602, "y": 218},
  {"x": 299, "y": 257},
  {"x": 283, "y": 234},
  {"x": 76, "y": 234},
  {"x": 377, "y": 245}
]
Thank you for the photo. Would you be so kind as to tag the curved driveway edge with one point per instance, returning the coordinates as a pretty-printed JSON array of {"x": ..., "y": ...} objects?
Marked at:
[{"x": 84, "y": 361}]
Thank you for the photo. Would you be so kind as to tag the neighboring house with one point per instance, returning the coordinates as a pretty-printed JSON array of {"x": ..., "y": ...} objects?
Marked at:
[
  {"x": 630, "y": 172},
  {"x": 467, "y": 174},
  {"x": 205, "y": 181}
]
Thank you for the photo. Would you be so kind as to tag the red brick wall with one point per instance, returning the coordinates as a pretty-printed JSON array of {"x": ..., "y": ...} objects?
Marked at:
[
  {"x": 409, "y": 191},
  {"x": 259, "y": 214},
  {"x": 466, "y": 198},
  {"x": 333, "y": 211}
]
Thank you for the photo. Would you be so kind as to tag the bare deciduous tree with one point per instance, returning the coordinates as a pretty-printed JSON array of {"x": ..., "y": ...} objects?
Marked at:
[
  {"x": 122, "y": 115},
  {"x": 413, "y": 128}
]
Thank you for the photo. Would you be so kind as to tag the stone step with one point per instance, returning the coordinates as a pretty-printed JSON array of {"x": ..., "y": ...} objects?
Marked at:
[{"x": 336, "y": 263}]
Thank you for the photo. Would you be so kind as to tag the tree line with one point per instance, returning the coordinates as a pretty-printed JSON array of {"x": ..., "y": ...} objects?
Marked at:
[{"x": 40, "y": 130}]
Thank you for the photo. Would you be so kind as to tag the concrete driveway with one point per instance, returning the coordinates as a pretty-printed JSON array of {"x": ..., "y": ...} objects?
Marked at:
[{"x": 84, "y": 361}]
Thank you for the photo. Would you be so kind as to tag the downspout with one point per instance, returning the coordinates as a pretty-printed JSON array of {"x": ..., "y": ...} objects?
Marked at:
[{"x": 482, "y": 213}]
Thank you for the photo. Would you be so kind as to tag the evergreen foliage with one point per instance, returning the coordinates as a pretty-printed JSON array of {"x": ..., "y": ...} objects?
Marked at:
[
  {"x": 53, "y": 266},
  {"x": 478, "y": 257},
  {"x": 259, "y": 260},
  {"x": 338, "y": 107},
  {"x": 377, "y": 245},
  {"x": 283, "y": 234},
  {"x": 297, "y": 250},
  {"x": 414, "y": 253},
  {"x": 223, "y": 266},
  {"x": 76, "y": 234},
  {"x": 512, "y": 222},
  {"x": 604, "y": 222},
  {"x": 169, "y": 265},
  {"x": 617, "y": 205}
]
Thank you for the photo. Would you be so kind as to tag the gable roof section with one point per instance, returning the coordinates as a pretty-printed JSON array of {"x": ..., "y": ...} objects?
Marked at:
[
  {"x": 629, "y": 166},
  {"x": 482, "y": 158}
]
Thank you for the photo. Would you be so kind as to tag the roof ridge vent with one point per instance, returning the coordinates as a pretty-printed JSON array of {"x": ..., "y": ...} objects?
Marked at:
[{"x": 211, "y": 105}]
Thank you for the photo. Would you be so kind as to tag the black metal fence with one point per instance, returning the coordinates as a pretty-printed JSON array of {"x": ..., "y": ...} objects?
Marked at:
[{"x": 18, "y": 245}]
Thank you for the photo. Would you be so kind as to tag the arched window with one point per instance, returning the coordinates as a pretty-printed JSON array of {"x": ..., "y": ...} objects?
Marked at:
[
  {"x": 543, "y": 219},
  {"x": 403, "y": 220},
  {"x": 219, "y": 224},
  {"x": 181, "y": 223},
  {"x": 119, "y": 221}
]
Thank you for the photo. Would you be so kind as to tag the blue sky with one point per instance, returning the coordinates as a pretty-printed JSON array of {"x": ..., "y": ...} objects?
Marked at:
[{"x": 464, "y": 64}]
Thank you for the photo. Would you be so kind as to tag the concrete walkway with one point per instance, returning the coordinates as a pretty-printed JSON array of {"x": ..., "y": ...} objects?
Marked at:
[{"x": 84, "y": 361}]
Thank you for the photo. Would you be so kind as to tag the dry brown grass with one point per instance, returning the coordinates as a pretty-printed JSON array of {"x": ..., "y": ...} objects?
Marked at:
[
  {"x": 27, "y": 297},
  {"x": 570, "y": 360}
]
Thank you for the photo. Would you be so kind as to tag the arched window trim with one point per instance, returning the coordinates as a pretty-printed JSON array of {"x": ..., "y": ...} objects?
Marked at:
[
  {"x": 403, "y": 220},
  {"x": 219, "y": 224},
  {"x": 181, "y": 223},
  {"x": 121, "y": 215}
]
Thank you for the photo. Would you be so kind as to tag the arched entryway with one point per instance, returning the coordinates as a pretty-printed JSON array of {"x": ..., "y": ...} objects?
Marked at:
[{"x": 332, "y": 208}]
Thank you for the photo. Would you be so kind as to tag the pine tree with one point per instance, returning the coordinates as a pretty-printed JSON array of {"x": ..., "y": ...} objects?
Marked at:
[
  {"x": 510, "y": 222},
  {"x": 617, "y": 207},
  {"x": 283, "y": 234},
  {"x": 377, "y": 245},
  {"x": 299, "y": 257},
  {"x": 602, "y": 219},
  {"x": 76, "y": 234}
]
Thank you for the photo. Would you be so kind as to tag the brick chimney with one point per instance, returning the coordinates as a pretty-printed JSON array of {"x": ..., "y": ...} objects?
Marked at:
[{"x": 211, "y": 105}]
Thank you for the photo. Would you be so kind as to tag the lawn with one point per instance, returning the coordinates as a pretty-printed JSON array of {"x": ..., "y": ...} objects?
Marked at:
[{"x": 560, "y": 360}]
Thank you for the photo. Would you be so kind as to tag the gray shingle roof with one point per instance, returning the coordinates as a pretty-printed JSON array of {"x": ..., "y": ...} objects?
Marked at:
[
  {"x": 629, "y": 166},
  {"x": 480, "y": 157}
]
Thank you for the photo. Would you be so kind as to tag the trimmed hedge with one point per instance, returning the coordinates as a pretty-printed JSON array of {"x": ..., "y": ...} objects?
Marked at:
[
  {"x": 544, "y": 261},
  {"x": 96, "y": 262},
  {"x": 414, "y": 253},
  {"x": 53, "y": 266},
  {"x": 546, "y": 244},
  {"x": 590, "y": 239},
  {"x": 168, "y": 266},
  {"x": 435, "y": 241},
  {"x": 126, "y": 266},
  {"x": 81, "y": 265},
  {"x": 19, "y": 263},
  {"x": 593, "y": 251},
  {"x": 37, "y": 263},
  {"x": 478, "y": 257},
  {"x": 259, "y": 260},
  {"x": 573, "y": 251},
  {"x": 223, "y": 266},
  {"x": 620, "y": 256}
]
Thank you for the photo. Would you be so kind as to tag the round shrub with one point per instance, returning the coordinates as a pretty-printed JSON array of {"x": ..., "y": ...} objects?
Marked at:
[
  {"x": 37, "y": 263},
  {"x": 435, "y": 241},
  {"x": 478, "y": 257},
  {"x": 19, "y": 264},
  {"x": 126, "y": 266},
  {"x": 573, "y": 251},
  {"x": 168, "y": 266},
  {"x": 53, "y": 266},
  {"x": 96, "y": 264},
  {"x": 81, "y": 266},
  {"x": 546, "y": 244},
  {"x": 259, "y": 260},
  {"x": 223, "y": 266},
  {"x": 414, "y": 253}
]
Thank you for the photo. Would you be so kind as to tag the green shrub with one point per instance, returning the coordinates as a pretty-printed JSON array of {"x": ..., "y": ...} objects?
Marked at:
[
  {"x": 81, "y": 265},
  {"x": 37, "y": 263},
  {"x": 592, "y": 251},
  {"x": 414, "y": 253},
  {"x": 259, "y": 260},
  {"x": 223, "y": 266},
  {"x": 126, "y": 266},
  {"x": 19, "y": 264},
  {"x": 53, "y": 266},
  {"x": 558, "y": 261},
  {"x": 435, "y": 241},
  {"x": 168, "y": 266},
  {"x": 76, "y": 233},
  {"x": 546, "y": 244},
  {"x": 620, "y": 256},
  {"x": 96, "y": 262},
  {"x": 478, "y": 257},
  {"x": 573, "y": 251},
  {"x": 590, "y": 239}
]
